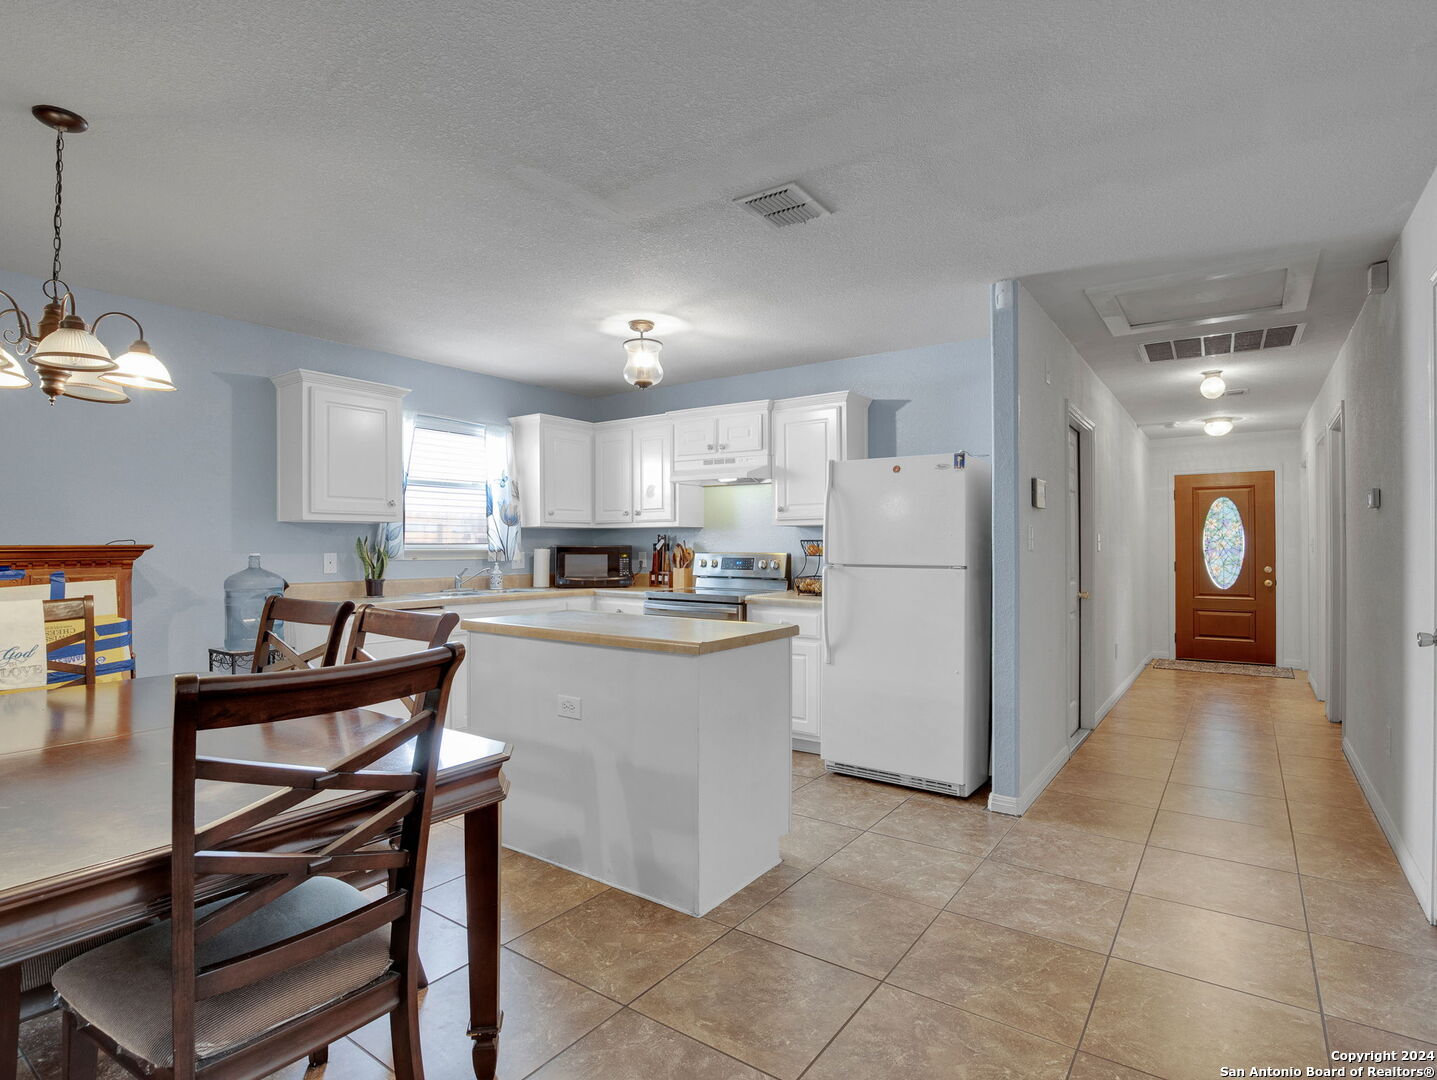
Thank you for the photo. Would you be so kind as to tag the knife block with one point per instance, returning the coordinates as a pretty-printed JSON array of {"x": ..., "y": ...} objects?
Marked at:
[{"x": 682, "y": 577}]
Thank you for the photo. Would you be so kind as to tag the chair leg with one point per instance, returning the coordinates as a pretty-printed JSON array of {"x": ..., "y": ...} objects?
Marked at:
[
  {"x": 404, "y": 1036},
  {"x": 420, "y": 976},
  {"x": 79, "y": 1056},
  {"x": 319, "y": 1057}
]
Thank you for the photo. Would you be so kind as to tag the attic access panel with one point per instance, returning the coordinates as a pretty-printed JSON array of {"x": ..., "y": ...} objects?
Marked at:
[{"x": 1191, "y": 301}]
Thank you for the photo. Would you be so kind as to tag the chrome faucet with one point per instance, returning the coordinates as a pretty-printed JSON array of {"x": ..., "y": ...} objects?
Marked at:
[{"x": 463, "y": 576}]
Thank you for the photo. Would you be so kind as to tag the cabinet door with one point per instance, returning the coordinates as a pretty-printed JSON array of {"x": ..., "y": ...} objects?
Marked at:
[
  {"x": 741, "y": 432},
  {"x": 653, "y": 474},
  {"x": 568, "y": 475},
  {"x": 805, "y": 661},
  {"x": 695, "y": 435},
  {"x": 805, "y": 441},
  {"x": 614, "y": 476},
  {"x": 354, "y": 455}
]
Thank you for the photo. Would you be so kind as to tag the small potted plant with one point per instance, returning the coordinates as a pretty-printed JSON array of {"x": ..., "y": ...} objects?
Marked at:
[{"x": 374, "y": 559}]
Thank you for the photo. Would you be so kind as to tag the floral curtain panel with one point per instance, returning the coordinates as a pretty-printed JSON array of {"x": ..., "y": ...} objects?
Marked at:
[{"x": 502, "y": 497}]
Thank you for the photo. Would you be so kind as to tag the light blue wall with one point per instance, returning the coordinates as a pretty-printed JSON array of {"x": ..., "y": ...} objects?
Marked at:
[
  {"x": 925, "y": 401},
  {"x": 193, "y": 472}
]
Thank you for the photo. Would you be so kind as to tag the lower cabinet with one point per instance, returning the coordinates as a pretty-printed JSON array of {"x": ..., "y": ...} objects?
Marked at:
[{"x": 807, "y": 654}]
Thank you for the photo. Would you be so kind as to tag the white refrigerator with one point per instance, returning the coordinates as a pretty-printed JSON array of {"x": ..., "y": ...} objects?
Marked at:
[{"x": 905, "y": 675}]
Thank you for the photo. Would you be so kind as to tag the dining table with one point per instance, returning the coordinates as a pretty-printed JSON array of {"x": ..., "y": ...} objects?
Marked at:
[{"x": 85, "y": 788}]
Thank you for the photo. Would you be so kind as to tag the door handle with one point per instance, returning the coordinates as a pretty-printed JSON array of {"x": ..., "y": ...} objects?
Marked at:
[
  {"x": 1426, "y": 640},
  {"x": 1267, "y": 582},
  {"x": 1085, "y": 596}
]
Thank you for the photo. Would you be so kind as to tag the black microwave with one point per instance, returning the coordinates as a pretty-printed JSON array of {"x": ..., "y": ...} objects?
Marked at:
[{"x": 593, "y": 567}]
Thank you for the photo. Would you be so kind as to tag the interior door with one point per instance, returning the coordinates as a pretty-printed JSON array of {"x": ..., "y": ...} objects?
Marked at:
[
  {"x": 1075, "y": 583},
  {"x": 1226, "y": 567}
]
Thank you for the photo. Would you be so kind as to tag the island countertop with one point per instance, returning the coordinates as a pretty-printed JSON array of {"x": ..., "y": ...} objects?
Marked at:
[{"x": 646, "y": 633}]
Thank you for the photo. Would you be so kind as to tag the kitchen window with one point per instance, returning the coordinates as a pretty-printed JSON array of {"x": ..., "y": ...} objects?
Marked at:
[
  {"x": 459, "y": 497},
  {"x": 445, "y": 488}
]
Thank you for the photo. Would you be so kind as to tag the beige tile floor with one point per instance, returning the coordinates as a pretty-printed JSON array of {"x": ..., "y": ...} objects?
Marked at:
[{"x": 1202, "y": 885}]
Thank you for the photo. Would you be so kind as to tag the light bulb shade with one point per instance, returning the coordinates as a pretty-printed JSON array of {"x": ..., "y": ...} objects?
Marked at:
[
  {"x": 71, "y": 348},
  {"x": 1218, "y": 425},
  {"x": 1213, "y": 386},
  {"x": 89, "y": 386},
  {"x": 643, "y": 368},
  {"x": 141, "y": 369},
  {"x": 12, "y": 375}
]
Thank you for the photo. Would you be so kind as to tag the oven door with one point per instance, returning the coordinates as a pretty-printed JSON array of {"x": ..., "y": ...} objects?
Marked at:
[{"x": 689, "y": 609}]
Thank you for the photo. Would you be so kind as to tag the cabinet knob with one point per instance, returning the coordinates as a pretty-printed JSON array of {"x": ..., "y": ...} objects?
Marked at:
[
  {"x": 626, "y": 513},
  {"x": 551, "y": 513},
  {"x": 781, "y": 509},
  {"x": 710, "y": 446},
  {"x": 391, "y": 502}
]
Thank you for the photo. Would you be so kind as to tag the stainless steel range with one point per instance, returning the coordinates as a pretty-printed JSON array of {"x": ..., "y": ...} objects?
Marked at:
[{"x": 721, "y": 581}]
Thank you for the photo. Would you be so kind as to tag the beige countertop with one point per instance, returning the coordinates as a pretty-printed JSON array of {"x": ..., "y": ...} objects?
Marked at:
[
  {"x": 647, "y": 633},
  {"x": 429, "y": 600},
  {"x": 791, "y": 598}
]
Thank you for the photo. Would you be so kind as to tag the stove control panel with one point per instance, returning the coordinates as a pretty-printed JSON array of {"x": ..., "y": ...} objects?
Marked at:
[{"x": 765, "y": 565}]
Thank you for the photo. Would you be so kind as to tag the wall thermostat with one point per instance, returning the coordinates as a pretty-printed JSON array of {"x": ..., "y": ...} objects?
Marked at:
[{"x": 1040, "y": 493}]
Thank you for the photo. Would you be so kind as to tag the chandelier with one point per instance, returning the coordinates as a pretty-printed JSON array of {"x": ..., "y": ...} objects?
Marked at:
[{"x": 63, "y": 349}]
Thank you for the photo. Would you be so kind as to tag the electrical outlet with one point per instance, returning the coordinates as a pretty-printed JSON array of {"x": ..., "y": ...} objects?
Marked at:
[
  {"x": 571, "y": 707},
  {"x": 331, "y": 562},
  {"x": 521, "y": 560}
]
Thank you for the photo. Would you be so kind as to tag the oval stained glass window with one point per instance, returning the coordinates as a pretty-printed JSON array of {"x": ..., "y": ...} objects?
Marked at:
[{"x": 1224, "y": 542}]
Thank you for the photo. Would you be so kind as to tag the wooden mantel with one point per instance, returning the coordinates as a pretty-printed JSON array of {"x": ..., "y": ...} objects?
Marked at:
[{"x": 80, "y": 562}]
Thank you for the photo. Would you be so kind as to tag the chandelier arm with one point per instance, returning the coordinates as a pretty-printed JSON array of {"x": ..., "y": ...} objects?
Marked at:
[
  {"x": 95, "y": 326},
  {"x": 22, "y": 332}
]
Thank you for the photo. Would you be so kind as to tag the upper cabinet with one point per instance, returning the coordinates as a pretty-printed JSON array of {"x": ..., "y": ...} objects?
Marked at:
[
  {"x": 554, "y": 457},
  {"x": 653, "y": 495},
  {"x": 614, "y": 474},
  {"x": 808, "y": 433},
  {"x": 728, "y": 429},
  {"x": 340, "y": 448}
]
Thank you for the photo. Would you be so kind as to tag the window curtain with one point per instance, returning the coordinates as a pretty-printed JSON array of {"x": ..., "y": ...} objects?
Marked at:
[{"x": 502, "y": 496}]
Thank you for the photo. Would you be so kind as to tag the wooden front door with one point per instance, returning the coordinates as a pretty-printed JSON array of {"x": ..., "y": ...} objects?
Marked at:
[{"x": 1226, "y": 567}]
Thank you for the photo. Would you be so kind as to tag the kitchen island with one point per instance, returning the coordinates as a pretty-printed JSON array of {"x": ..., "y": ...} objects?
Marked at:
[{"x": 649, "y": 753}]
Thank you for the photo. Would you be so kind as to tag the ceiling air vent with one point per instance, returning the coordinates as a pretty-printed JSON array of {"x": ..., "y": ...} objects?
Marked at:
[
  {"x": 787, "y": 204},
  {"x": 1192, "y": 348}
]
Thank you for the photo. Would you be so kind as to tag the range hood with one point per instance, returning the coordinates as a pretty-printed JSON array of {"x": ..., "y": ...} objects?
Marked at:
[{"x": 724, "y": 470}]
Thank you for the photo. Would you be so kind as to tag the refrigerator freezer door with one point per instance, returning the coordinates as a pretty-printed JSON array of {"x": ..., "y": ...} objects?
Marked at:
[
  {"x": 906, "y": 511},
  {"x": 894, "y": 690}
]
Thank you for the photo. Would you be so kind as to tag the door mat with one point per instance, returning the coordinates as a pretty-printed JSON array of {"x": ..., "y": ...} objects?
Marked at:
[{"x": 1262, "y": 671}]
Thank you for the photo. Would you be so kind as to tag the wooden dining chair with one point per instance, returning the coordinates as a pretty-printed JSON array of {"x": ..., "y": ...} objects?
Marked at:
[
  {"x": 292, "y": 958},
  {"x": 80, "y": 609},
  {"x": 273, "y": 653},
  {"x": 430, "y": 629}
]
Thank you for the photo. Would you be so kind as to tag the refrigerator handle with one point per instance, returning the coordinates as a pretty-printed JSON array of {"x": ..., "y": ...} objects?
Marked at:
[
  {"x": 823, "y": 573},
  {"x": 827, "y": 502}
]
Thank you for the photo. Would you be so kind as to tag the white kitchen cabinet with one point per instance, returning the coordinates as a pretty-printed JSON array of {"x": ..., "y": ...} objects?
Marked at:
[
  {"x": 653, "y": 484},
  {"x": 807, "y": 649},
  {"x": 554, "y": 457},
  {"x": 741, "y": 428},
  {"x": 614, "y": 471},
  {"x": 808, "y": 433},
  {"x": 340, "y": 448},
  {"x": 619, "y": 605}
]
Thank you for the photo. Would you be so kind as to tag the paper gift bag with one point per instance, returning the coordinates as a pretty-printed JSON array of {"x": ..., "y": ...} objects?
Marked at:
[{"x": 22, "y": 645}]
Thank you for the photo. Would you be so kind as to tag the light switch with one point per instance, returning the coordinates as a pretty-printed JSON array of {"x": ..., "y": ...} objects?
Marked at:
[
  {"x": 1374, "y": 498},
  {"x": 1040, "y": 493}
]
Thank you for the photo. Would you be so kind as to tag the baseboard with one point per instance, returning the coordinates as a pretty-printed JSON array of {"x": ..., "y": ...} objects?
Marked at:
[
  {"x": 1123, "y": 688},
  {"x": 805, "y": 745},
  {"x": 1017, "y": 806},
  {"x": 1421, "y": 886}
]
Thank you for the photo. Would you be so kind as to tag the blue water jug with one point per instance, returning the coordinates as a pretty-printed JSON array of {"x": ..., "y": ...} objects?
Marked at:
[{"x": 245, "y": 593}]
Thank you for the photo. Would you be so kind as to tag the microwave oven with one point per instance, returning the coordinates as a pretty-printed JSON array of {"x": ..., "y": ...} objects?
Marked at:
[{"x": 593, "y": 567}]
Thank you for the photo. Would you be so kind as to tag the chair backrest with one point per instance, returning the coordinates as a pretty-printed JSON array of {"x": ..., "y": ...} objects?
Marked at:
[
  {"x": 80, "y": 609},
  {"x": 285, "y": 609},
  {"x": 390, "y": 838},
  {"x": 431, "y": 629}
]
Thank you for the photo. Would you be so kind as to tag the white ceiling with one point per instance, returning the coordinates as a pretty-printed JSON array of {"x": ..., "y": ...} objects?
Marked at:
[{"x": 483, "y": 185}]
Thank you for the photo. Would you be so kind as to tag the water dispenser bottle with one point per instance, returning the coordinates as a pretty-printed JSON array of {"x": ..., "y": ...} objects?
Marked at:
[{"x": 245, "y": 593}]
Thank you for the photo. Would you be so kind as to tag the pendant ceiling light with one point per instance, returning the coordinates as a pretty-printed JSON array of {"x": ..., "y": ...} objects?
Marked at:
[
  {"x": 64, "y": 350},
  {"x": 1217, "y": 425},
  {"x": 1213, "y": 385},
  {"x": 643, "y": 368}
]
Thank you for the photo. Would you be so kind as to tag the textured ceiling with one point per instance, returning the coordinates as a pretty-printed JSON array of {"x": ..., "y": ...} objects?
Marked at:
[{"x": 483, "y": 185}]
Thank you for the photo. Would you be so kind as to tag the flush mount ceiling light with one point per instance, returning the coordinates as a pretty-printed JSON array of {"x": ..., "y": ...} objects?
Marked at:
[
  {"x": 71, "y": 361},
  {"x": 1217, "y": 425},
  {"x": 643, "y": 368},
  {"x": 1213, "y": 385}
]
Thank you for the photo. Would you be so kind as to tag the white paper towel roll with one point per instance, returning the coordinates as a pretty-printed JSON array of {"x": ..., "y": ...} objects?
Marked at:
[{"x": 541, "y": 568}]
